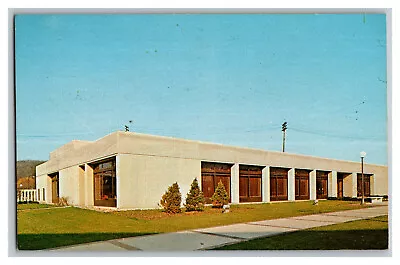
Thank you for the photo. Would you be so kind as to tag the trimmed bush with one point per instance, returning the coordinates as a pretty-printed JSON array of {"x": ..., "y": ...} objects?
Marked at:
[
  {"x": 220, "y": 196},
  {"x": 195, "y": 198},
  {"x": 171, "y": 200}
]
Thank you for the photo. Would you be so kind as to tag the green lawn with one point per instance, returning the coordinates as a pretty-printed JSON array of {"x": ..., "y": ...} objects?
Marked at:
[
  {"x": 48, "y": 228},
  {"x": 34, "y": 206},
  {"x": 363, "y": 234}
]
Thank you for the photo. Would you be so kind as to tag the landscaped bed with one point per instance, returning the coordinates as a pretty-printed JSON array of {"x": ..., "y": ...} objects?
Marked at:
[
  {"x": 362, "y": 234},
  {"x": 49, "y": 228}
]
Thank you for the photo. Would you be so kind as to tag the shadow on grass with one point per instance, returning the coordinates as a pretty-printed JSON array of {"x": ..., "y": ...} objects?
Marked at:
[
  {"x": 318, "y": 240},
  {"x": 45, "y": 241}
]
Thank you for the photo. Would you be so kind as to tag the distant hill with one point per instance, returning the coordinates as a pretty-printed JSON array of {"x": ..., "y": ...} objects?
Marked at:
[{"x": 27, "y": 168}]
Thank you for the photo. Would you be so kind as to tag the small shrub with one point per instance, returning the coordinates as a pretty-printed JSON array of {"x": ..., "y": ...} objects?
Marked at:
[
  {"x": 220, "y": 196},
  {"x": 63, "y": 201},
  {"x": 171, "y": 200},
  {"x": 195, "y": 198}
]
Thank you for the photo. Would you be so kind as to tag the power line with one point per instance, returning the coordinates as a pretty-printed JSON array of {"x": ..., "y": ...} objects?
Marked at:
[{"x": 334, "y": 135}]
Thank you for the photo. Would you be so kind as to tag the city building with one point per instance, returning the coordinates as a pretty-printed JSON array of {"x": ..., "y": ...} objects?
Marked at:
[{"x": 129, "y": 170}]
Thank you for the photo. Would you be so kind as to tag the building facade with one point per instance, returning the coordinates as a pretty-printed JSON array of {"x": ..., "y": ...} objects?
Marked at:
[{"x": 132, "y": 171}]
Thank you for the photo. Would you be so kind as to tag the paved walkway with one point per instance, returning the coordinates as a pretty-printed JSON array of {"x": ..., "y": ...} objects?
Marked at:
[{"x": 207, "y": 238}]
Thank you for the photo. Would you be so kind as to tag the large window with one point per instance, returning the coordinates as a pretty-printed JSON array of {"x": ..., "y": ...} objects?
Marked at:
[
  {"x": 250, "y": 183},
  {"x": 105, "y": 183},
  {"x": 211, "y": 174},
  {"x": 278, "y": 184}
]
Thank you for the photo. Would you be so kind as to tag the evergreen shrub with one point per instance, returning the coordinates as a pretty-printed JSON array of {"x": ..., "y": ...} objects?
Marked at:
[
  {"x": 220, "y": 196},
  {"x": 195, "y": 198},
  {"x": 171, "y": 200}
]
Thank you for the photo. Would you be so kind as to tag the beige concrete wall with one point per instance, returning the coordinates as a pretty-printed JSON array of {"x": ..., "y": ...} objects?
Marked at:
[
  {"x": 88, "y": 186},
  {"x": 69, "y": 184},
  {"x": 80, "y": 154},
  {"x": 82, "y": 191},
  {"x": 144, "y": 179},
  {"x": 43, "y": 181},
  {"x": 380, "y": 181},
  {"x": 348, "y": 185},
  {"x": 163, "y": 146}
]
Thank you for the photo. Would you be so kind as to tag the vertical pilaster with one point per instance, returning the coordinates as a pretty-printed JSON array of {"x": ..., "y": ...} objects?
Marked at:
[
  {"x": 89, "y": 200},
  {"x": 354, "y": 184},
  {"x": 291, "y": 185},
  {"x": 372, "y": 185},
  {"x": 313, "y": 185},
  {"x": 235, "y": 184},
  {"x": 332, "y": 184},
  {"x": 265, "y": 184},
  {"x": 117, "y": 174}
]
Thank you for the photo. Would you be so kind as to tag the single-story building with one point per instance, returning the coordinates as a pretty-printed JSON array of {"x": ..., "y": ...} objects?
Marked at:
[{"x": 130, "y": 170}]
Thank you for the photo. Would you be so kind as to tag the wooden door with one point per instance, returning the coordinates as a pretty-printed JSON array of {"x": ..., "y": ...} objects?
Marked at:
[
  {"x": 278, "y": 184},
  {"x": 211, "y": 174},
  {"x": 367, "y": 186},
  {"x": 322, "y": 184},
  {"x": 340, "y": 186},
  {"x": 302, "y": 184},
  {"x": 55, "y": 189},
  {"x": 250, "y": 183}
]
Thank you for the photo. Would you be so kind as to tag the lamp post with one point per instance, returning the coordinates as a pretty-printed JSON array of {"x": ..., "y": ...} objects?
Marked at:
[{"x": 362, "y": 155}]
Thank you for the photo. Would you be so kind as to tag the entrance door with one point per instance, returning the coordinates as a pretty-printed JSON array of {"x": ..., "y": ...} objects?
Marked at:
[
  {"x": 340, "y": 186},
  {"x": 322, "y": 185},
  {"x": 250, "y": 183},
  {"x": 105, "y": 184},
  {"x": 278, "y": 184},
  {"x": 302, "y": 184},
  {"x": 367, "y": 189},
  {"x": 55, "y": 188}
]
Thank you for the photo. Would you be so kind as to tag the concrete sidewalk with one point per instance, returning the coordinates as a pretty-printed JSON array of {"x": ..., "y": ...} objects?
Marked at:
[{"x": 206, "y": 238}]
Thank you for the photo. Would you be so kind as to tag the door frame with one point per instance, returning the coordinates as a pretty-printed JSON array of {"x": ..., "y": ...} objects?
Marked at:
[{"x": 55, "y": 187}]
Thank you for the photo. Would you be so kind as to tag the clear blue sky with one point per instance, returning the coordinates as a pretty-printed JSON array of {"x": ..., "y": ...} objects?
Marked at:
[{"x": 230, "y": 79}]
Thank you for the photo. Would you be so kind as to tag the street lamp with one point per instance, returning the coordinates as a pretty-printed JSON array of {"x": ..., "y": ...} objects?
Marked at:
[{"x": 362, "y": 155}]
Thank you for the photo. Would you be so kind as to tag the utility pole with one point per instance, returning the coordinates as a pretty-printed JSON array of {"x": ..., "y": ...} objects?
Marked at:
[{"x": 284, "y": 127}]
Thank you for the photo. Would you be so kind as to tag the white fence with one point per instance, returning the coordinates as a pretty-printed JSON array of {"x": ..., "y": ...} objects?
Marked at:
[{"x": 27, "y": 195}]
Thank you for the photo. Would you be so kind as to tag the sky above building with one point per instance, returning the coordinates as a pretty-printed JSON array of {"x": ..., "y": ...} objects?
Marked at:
[{"x": 229, "y": 79}]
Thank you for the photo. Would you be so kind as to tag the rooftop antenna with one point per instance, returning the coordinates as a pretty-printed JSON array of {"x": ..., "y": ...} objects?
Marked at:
[{"x": 127, "y": 127}]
